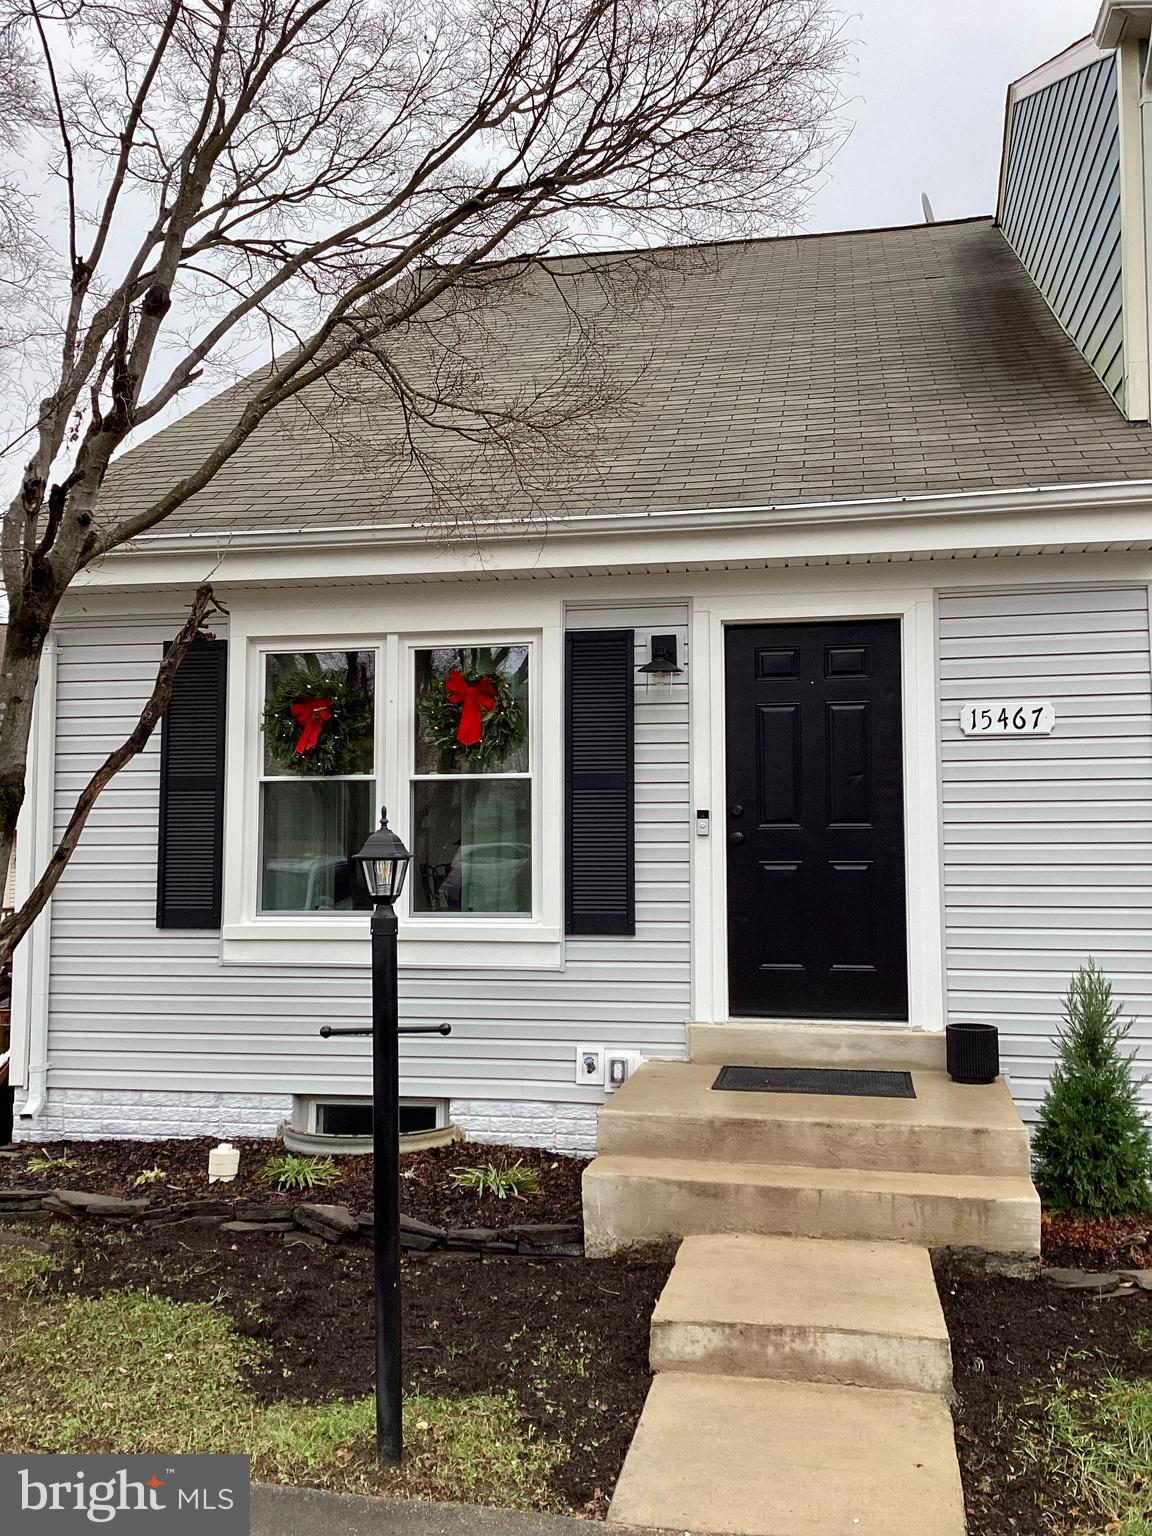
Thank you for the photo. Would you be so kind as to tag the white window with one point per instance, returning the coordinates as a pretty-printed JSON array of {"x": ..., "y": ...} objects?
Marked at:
[
  {"x": 470, "y": 807},
  {"x": 335, "y": 726},
  {"x": 317, "y": 779}
]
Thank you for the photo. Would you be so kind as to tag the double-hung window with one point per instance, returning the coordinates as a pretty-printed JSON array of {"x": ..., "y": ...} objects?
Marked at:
[
  {"x": 471, "y": 784},
  {"x": 317, "y": 780}
]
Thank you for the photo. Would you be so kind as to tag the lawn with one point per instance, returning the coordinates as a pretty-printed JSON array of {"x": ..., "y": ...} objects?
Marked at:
[{"x": 524, "y": 1380}]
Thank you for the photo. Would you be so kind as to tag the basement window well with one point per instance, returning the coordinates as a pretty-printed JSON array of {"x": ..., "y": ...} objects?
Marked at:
[
  {"x": 345, "y": 1124},
  {"x": 355, "y": 1119}
]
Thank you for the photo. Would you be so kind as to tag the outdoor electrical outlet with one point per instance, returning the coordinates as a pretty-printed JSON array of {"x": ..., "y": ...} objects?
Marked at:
[
  {"x": 590, "y": 1065},
  {"x": 619, "y": 1067}
]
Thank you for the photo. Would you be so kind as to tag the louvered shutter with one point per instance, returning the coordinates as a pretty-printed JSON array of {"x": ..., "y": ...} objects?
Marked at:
[
  {"x": 190, "y": 853},
  {"x": 600, "y": 890}
]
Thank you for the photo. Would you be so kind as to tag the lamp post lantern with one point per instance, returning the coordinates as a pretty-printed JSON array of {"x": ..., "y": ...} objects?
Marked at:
[{"x": 384, "y": 861}]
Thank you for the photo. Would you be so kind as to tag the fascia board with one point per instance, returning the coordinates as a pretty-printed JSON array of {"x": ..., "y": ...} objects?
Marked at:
[
  {"x": 1078, "y": 56},
  {"x": 1101, "y": 515}
]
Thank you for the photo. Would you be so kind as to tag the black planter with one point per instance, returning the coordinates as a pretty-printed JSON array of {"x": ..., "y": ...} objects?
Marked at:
[{"x": 973, "y": 1053}]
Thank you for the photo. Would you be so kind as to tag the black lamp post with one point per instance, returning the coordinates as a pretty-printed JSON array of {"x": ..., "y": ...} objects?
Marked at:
[{"x": 384, "y": 861}]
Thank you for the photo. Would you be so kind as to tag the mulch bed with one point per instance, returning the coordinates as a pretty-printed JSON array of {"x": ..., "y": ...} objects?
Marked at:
[
  {"x": 109, "y": 1168},
  {"x": 570, "y": 1340},
  {"x": 1073, "y": 1242},
  {"x": 1010, "y": 1339}
]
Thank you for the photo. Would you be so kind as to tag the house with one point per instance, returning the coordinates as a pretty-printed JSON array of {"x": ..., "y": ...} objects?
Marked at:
[{"x": 882, "y": 518}]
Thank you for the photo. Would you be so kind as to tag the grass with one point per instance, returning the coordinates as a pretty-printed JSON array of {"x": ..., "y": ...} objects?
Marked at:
[
  {"x": 149, "y": 1176},
  {"x": 287, "y": 1171},
  {"x": 44, "y": 1162},
  {"x": 1096, "y": 1446},
  {"x": 131, "y": 1372},
  {"x": 514, "y": 1180}
]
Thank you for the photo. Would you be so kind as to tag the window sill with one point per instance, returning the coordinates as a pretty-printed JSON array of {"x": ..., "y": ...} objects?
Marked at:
[{"x": 344, "y": 942}]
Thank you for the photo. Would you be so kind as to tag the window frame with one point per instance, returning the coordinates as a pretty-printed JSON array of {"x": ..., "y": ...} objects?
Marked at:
[
  {"x": 456, "y": 941},
  {"x": 310, "y": 648},
  {"x": 464, "y": 923}
]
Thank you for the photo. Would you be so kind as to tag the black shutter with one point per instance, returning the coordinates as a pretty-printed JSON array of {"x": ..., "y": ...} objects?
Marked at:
[
  {"x": 190, "y": 853},
  {"x": 600, "y": 811}
]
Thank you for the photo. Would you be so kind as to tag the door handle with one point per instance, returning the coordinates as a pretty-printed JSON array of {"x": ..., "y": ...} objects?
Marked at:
[{"x": 735, "y": 837}]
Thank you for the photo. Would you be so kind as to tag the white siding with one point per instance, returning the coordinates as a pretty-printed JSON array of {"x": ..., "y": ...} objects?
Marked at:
[
  {"x": 132, "y": 1006},
  {"x": 1047, "y": 840}
]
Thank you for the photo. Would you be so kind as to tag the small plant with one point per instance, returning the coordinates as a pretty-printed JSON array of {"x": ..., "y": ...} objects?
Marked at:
[
  {"x": 290, "y": 1172},
  {"x": 44, "y": 1162},
  {"x": 1093, "y": 1149},
  {"x": 149, "y": 1176},
  {"x": 515, "y": 1180}
]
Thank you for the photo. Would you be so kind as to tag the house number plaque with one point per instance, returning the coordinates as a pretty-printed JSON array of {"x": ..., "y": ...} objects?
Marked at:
[{"x": 1017, "y": 717}]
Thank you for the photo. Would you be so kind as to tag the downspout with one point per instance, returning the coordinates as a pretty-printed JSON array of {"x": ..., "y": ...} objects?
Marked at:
[{"x": 30, "y": 964}]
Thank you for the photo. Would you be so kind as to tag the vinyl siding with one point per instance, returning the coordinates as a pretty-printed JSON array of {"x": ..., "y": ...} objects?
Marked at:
[
  {"x": 134, "y": 1006},
  {"x": 1047, "y": 841},
  {"x": 1061, "y": 209}
]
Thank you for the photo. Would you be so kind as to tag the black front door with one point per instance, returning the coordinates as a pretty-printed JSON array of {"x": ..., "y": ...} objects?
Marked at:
[{"x": 815, "y": 822}]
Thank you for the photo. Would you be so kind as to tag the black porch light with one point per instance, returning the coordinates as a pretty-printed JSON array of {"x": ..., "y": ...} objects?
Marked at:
[
  {"x": 384, "y": 861},
  {"x": 663, "y": 666}
]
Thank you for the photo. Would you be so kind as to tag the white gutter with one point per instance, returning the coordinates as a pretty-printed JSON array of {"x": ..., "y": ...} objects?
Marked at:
[
  {"x": 1121, "y": 19},
  {"x": 30, "y": 964},
  {"x": 1087, "y": 496}
]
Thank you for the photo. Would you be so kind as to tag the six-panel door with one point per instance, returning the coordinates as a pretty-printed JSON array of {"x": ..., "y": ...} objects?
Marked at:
[{"x": 815, "y": 821}]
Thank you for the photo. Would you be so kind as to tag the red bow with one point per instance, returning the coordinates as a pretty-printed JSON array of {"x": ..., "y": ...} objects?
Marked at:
[
  {"x": 311, "y": 715},
  {"x": 472, "y": 698}
]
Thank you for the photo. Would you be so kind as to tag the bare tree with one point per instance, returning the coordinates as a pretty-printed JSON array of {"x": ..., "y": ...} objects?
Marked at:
[{"x": 356, "y": 187}]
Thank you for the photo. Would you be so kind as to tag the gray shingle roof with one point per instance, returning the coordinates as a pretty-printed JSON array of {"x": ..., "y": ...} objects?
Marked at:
[{"x": 815, "y": 368}]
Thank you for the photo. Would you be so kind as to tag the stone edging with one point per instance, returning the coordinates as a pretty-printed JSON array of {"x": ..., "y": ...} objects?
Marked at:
[{"x": 307, "y": 1223}]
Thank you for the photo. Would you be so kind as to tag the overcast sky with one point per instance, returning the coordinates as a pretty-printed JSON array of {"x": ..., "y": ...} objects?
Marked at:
[{"x": 927, "y": 111}]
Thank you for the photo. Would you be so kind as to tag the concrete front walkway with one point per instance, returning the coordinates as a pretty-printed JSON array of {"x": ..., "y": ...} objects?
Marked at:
[
  {"x": 278, "y": 1511},
  {"x": 800, "y": 1391}
]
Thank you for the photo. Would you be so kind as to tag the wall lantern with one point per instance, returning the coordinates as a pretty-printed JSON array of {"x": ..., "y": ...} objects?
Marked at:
[
  {"x": 384, "y": 861},
  {"x": 662, "y": 667}
]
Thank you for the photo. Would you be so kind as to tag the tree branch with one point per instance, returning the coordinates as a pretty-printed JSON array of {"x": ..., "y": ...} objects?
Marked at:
[{"x": 16, "y": 924}]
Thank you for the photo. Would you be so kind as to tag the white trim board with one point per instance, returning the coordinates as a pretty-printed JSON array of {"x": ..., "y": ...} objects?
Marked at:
[
  {"x": 1026, "y": 519},
  {"x": 914, "y": 607},
  {"x": 28, "y": 1061}
]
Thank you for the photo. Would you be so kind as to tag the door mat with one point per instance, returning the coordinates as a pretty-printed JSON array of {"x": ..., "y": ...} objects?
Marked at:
[{"x": 853, "y": 1083}]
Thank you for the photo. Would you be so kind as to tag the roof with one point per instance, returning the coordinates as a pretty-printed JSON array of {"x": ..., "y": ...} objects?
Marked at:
[{"x": 810, "y": 368}]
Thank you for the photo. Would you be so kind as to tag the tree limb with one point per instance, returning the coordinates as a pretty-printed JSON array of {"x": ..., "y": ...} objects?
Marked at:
[{"x": 16, "y": 924}]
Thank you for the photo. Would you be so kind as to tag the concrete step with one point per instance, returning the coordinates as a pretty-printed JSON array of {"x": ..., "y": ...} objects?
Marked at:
[
  {"x": 638, "y": 1202},
  {"x": 782, "y": 1458},
  {"x": 800, "y": 1309},
  {"x": 670, "y": 1108},
  {"x": 781, "y": 1043}
]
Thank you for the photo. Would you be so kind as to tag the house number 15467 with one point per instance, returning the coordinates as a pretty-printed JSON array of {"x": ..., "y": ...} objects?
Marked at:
[{"x": 1019, "y": 717}]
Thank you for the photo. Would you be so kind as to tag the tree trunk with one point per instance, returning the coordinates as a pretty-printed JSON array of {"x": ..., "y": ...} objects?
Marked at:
[{"x": 28, "y": 627}]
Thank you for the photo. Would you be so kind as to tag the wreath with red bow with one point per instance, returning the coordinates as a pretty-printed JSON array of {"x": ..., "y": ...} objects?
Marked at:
[
  {"x": 477, "y": 718},
  {"x": 317, "y": 723}
]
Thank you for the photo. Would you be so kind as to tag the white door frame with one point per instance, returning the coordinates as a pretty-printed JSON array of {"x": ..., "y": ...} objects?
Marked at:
[{"x": 915, "y": 609}]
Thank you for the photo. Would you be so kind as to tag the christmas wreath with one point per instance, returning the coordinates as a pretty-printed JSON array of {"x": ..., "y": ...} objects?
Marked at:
[
  {"x": 317, "y": 722},
  {"x": 478, "y": 718}
]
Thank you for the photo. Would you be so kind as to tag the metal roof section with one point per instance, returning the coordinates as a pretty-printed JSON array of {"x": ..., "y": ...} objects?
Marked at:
[{"x": 1061, "y": 209}]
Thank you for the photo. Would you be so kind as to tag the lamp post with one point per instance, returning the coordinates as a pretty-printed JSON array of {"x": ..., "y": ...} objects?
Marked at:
[{"x": 384, "y": 861}]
